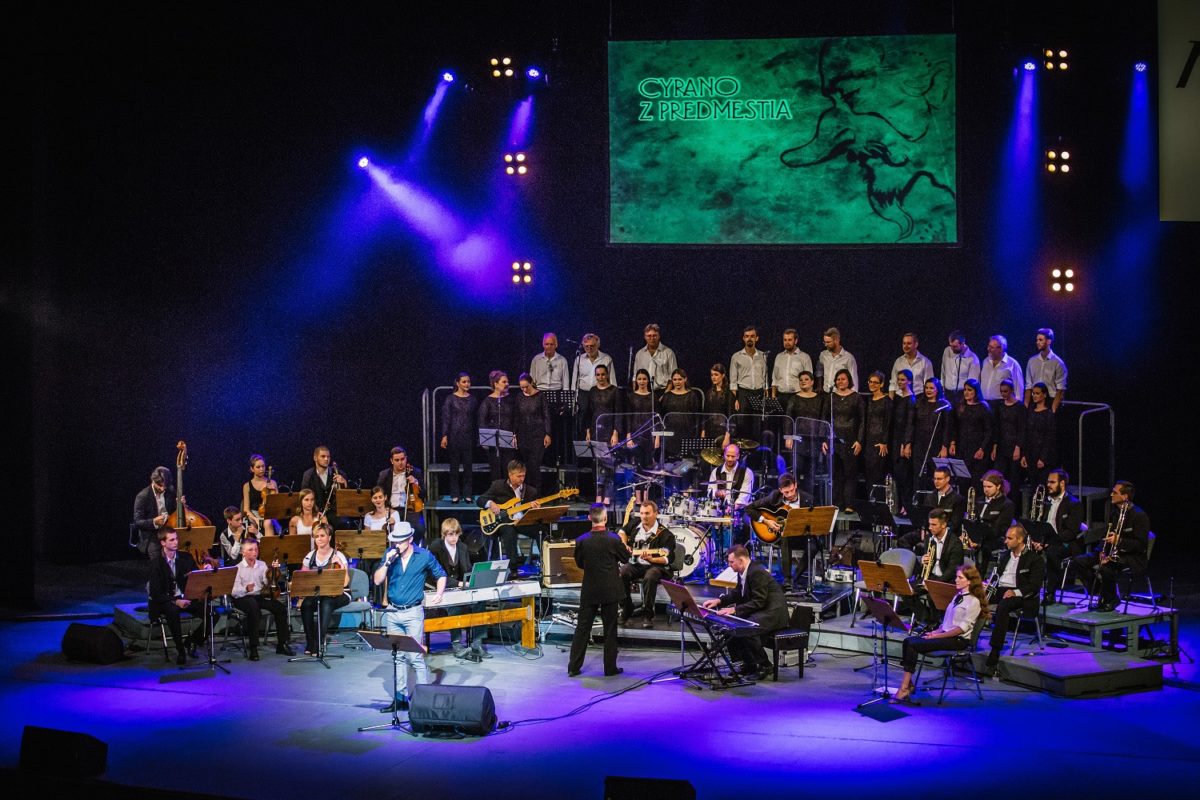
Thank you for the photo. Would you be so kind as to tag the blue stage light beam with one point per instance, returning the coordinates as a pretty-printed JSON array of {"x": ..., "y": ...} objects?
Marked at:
[{"x": 1018, "y": 201}]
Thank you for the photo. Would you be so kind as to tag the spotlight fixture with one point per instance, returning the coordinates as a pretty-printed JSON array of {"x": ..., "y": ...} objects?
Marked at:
[
  {"x": 533, "y": 73},
  {"x": 515, "y": 164},
  {"x": 1140, "y": 66},
  {"x": 1057, "y": 160},
  {"x": 363, "y": 163},
  {"x": 1055, "y": 59},
  {"x": 1062, "y": 280},
  {"x": 522, "y": 273},
  {"x": 448, "y": 77},
  {"x": 502, "y": 66},
  {"x": 1030, "y": 65}
]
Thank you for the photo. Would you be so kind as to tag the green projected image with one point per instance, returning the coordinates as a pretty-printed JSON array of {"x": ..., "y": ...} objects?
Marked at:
[{"x": 783, "y": 141}]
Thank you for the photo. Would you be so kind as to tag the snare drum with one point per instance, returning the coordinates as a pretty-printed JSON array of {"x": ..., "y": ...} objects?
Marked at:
[{"x": 689, "y": 549}]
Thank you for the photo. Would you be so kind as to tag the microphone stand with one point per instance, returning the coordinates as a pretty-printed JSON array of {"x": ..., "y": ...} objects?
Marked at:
[{"x": 925, "y": 461}]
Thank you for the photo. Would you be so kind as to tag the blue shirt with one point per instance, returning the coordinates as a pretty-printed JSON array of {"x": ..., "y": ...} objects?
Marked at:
[{"x": 406, "y": 587}]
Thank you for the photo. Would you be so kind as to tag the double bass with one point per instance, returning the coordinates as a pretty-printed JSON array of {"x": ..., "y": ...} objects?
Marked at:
[{"x": 184, "y": 518}]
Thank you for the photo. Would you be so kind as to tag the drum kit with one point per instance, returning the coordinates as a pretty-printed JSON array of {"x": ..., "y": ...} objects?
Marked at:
[{"x": 699, "y": 523}]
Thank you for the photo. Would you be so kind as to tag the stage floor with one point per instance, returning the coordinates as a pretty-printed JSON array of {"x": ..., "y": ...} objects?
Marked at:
[{"x": 272, "y": 729}]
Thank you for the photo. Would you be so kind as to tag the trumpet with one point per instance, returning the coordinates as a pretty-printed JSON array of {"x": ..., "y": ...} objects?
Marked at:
[
  {"x": 929, "y": 558},
  {"x": 1037, "y": 507},
  {"x": 993, "y": 583}
]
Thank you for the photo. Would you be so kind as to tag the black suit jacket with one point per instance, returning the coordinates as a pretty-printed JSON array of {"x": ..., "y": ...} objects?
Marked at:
[
  {"x": 956, "y": 504},
  {"x": 600, "y": 555},
  {"x": 385, "y": 480},
  {"x": 762, "y": 600},
  {"x": 998, "y": 514},
  {"x": 145, "y": 508},
  {"x": 311, "y": 481},
  {"x": 162, "y": 587},
  {"x": 500, "y": 492},
  {"x": 1135, "y": 537},
  {"x": 1031, "y": 570},
  {"x": 951, "y": 560},
  {"x": 1068, "y": 520},
  {"x": 456, "y": 570}
]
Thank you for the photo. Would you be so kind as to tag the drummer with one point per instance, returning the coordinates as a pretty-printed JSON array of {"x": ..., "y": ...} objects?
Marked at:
[
  {"x": 732, "y": 485},
  {"x": 787, "y": 496}
]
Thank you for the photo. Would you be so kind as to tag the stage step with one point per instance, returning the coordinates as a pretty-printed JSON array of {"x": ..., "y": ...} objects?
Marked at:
[{"x": 1079, "y": 673}]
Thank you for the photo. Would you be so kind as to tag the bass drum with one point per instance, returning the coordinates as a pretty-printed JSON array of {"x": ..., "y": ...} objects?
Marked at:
[{"x": 689, "y": 549}]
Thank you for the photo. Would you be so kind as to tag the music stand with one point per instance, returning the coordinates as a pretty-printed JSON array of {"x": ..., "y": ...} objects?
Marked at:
[
  {"x": 940, "y": 593},
  {"x": 958, "y": 467},
  {"x": 205, "y": 584},
  {"x": 497, "y": 439},
  {"x": 363, "y": 545},
  {"x": 810, "y": 522},
  {"x": 285, "y": 549},
  {"x": 880, "y": 521},
  {"x": 764, "y": 404},
  {"x": 977, "y": 531},
  {"x": 590, "y": 448},
  {"x": 282, "y": 505},
  {"x": 197, "y": 537},
  {"x": 353, "y": 503},
  {"x": 543, "y": 515},
  {"x": 318, "y": 583},
  {"x": 885, "y": 615},
  {"x": 1039, "y": 532},
  {"x": 398, "y": 644},
  {"x": 683, "y": 601}
]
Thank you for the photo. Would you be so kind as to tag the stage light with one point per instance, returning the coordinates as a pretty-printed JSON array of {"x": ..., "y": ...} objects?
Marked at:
[
  {"x": 528, "y": 279},
  {"x": 1070, "y": 287},
  {"x": 363, "y": 163},
  {"x": 1066, "y": 154},
  {"x": 515, "y": 164},
  {"x": 533, "y": 72},
  {"x": 516, "y": 278},
  {"x": 516, "y": 266},
  {"x": 1069, "y": 273},
  {"x": 1030, "y": 65},
  {"x": 1056, "y": 158},
  {"x": 1140, "y": 66},
  {"x": 522, "y": 273},
  {"x": 448, "y": 77},
  {"x": 1056, "y": 273},
  {"x": 1055, "y": 59},
  {"x": 1056, "y": 287},
  {"x": 1066, "y": 167}
]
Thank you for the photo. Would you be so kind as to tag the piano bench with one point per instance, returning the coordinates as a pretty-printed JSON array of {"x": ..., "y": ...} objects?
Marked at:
[{"x": 784, "y": 641}]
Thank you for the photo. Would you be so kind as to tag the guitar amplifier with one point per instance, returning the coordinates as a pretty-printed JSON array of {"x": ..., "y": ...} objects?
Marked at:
[
  {"x": 558, "y": 565},
  {"x": 840, "y": 575}
]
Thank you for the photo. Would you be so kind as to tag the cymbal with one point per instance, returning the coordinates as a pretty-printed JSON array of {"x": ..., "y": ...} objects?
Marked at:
[
  {"x": 716, "y": 483},
  {"x": 662, "y": 473},
  {"x": 711, "y": 456},
  {"x": 746, "y": 444}
]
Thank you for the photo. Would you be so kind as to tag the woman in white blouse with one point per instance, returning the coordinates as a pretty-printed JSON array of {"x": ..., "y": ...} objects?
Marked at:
[
  {"x": 965, "y": 612},
  {"x": 378, "y": 519},
  {"x": 322, "y": 556}
]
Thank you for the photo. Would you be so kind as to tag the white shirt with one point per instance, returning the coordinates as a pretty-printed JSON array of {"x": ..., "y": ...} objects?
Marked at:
[
  {"x": 1052, "y": 510},
  {"x": 585, "y": 369},
  {"x": 640, "y": 537},
  {"x": 937, "y": 554},
  {"x": 740, "y": 494},
  {"x": 550, "y": 373},
  {"x": 1008, "y": 580},
  {"x": 660, "y": 365},
  {"x": 921, "y": 367},
  {"x": 958, "y": 368},
  {"x": 231, "y": 543},
  {"x": 379, "y": 523},
  {"x": 830, "y": 364},
  {"x": 337, "y": 557},
  {"x": 788, "y": 366},
  {"x": 962, "y": 615},
  {"x": 171, "y": 567},
  {"x": 399, "y": 489},
  {"x": 160, "y": 501},
  {"x": 748, "y": 371},
  {"x": 1048, "y": 369},
  {"x": 248, "y": 576},
  {"x": 990, "y": 375}
]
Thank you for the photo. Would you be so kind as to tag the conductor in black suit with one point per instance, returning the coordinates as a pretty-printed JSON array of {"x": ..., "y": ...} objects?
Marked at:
[
  {"x": 500, "y": 492},
  {"x": 758, "y": 598},
  {"x": 600, "y": 554},
  {"x": 151, "y": 508}
]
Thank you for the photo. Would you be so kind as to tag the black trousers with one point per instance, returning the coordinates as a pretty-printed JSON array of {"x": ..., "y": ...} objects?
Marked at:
[
  {"x": 498, "y": 461},
  {"x": 875, "y": 466},
  {"x": 1028, "y": 606},
  {"x": 1103, "y": 576},
  {"x": 583, "y": 633},
  {"x": 170, "y": 613},
  {"x": 845, "y": 475},
  {"x": 308, "y": 609},
  {"x": 650, "y": 575},
  {"x": 902, "y": 472},
  {"x": 461, "y": 461},
  {"x": 531, "y": 456},
  {"x": 914, "y": 646},
  {"x": 797, "y": 548},
  {"x": 749, "y": 650},
  {"x": 253, "y": 607}
]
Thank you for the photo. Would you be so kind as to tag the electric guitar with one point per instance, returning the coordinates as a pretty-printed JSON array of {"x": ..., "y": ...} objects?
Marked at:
[{"x": 512, "y": 511}]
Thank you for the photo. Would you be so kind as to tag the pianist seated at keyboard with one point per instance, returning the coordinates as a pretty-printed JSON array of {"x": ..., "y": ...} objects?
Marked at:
[
  {"x": 455, "y": 560},
  {"x": 758, "y": 598}
]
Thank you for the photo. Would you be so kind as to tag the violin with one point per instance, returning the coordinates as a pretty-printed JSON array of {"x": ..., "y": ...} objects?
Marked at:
[{"x": 415, "y": 504}]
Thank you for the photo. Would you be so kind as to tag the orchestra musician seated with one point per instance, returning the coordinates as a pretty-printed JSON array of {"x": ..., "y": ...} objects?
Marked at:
[
  {"x": 250, "y": 598},
  {"x": 168, "y": 579},
  {"x": 322, "y": 556},
  {"x": 646, "y": 563},
  {"x": 1021, "y": 573},
  {"x": 758, "y": 598},
  {"x": 967, "y": 610}
]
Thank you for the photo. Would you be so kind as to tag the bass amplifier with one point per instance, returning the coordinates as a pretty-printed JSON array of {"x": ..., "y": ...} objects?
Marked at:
[{"x": 558, "y": 565}]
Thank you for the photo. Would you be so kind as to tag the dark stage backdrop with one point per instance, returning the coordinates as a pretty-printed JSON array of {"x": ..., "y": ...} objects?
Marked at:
[{"x": 207, "y": 264}]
